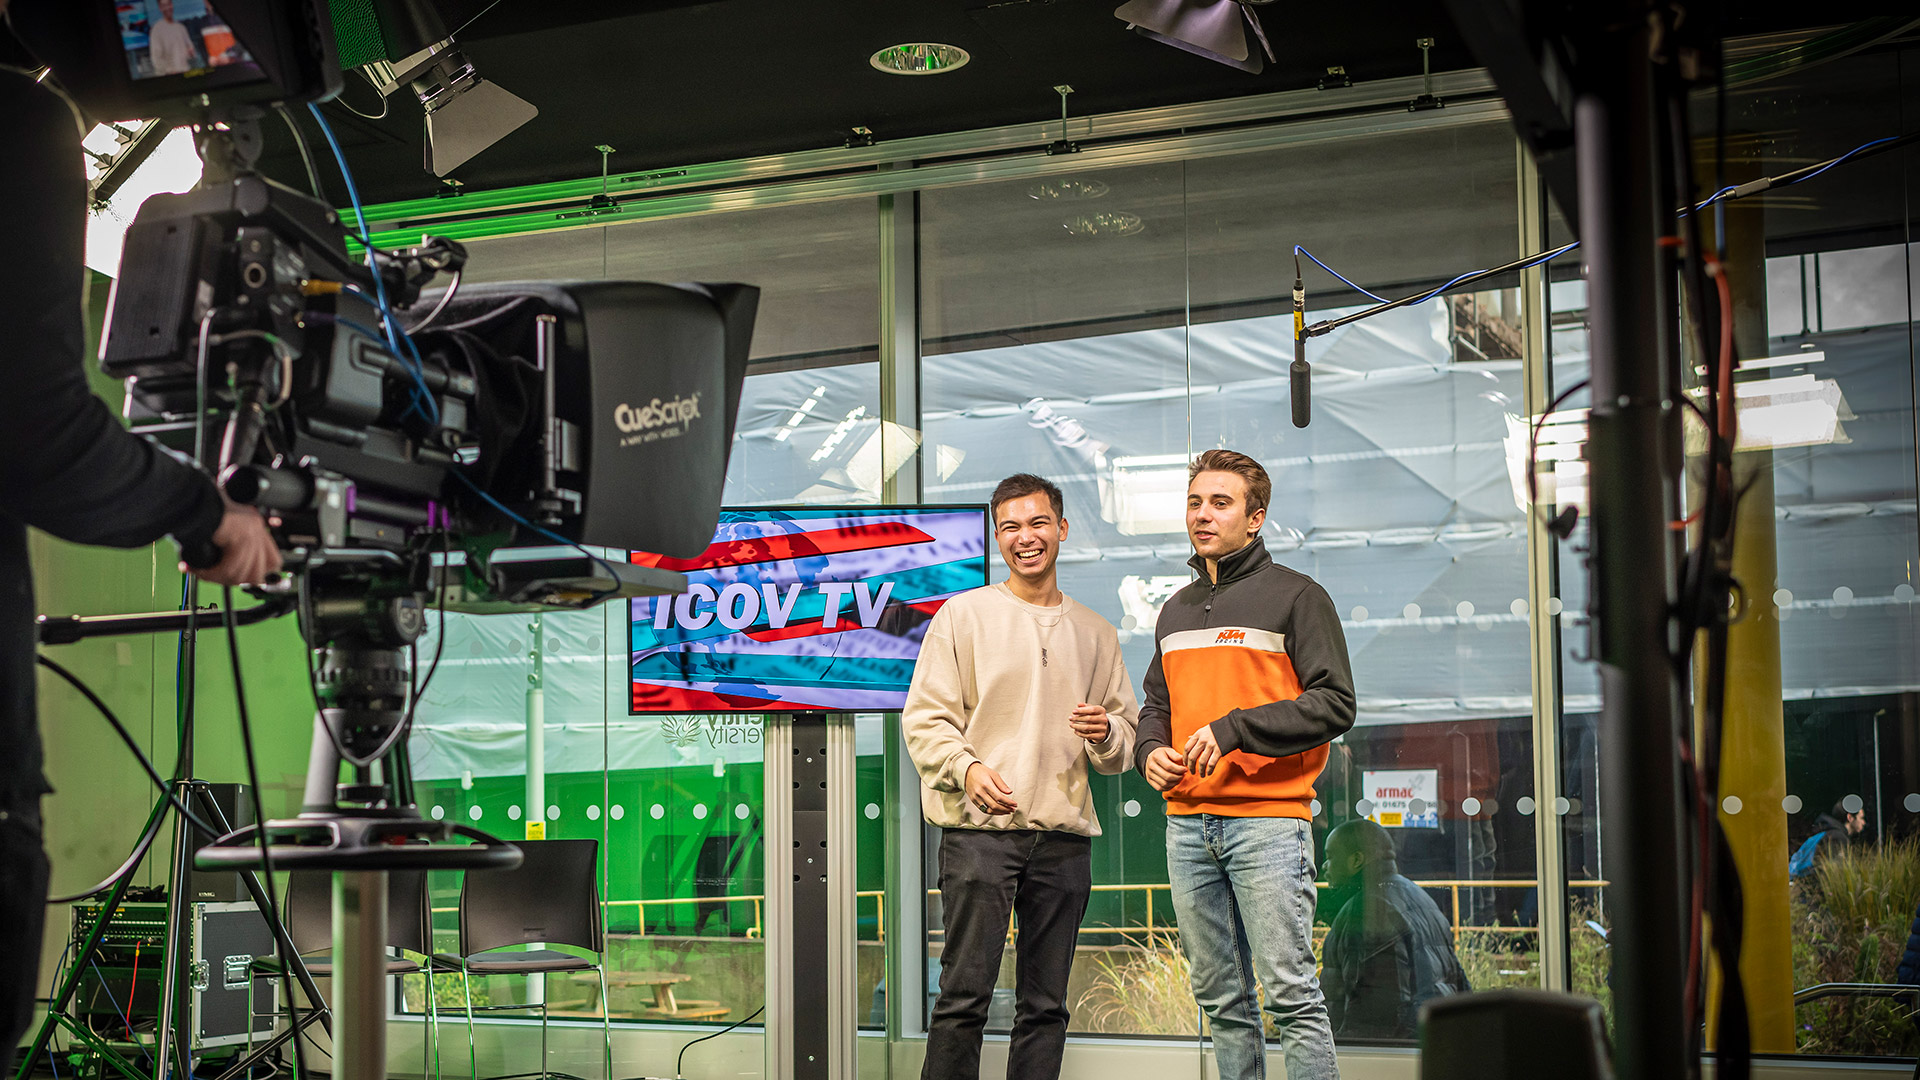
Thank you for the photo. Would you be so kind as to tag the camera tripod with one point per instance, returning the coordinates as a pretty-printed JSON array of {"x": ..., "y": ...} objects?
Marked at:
[{"x": 358, "y": 616}]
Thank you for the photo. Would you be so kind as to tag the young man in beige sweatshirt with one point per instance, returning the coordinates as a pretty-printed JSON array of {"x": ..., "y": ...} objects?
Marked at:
[{"x": 1017, "y": 690}]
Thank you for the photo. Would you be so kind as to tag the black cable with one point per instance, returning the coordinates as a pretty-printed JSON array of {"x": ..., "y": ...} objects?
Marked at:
[
  {"x": 683, "y": 1050},
  {"x": 260, "y": 828},
  {"x": 306, "y": 155},
  {"x": 126, "y": 736}
]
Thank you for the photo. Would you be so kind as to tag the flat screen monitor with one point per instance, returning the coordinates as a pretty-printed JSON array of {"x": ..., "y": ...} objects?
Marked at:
[{"x": 811, "y": 609}]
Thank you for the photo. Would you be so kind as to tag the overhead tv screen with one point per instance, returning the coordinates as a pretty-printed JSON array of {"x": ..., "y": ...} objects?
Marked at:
[{"x": 802, "y": 610}]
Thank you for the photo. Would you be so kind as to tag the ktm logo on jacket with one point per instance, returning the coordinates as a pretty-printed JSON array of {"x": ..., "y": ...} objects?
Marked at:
[{"x": 1211, "y": 672}]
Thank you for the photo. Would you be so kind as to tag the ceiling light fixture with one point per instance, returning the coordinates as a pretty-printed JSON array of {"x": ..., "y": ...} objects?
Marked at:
[
  {"x": 1104, "y": 223},
  {"x": 1220, "y": 30},
  {"x": 920, "y": 58},
  {"x": 1067, "y": 189}
]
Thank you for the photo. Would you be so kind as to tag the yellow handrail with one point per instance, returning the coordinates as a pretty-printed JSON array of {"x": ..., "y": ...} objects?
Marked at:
[{"x": 758, "y": 930}]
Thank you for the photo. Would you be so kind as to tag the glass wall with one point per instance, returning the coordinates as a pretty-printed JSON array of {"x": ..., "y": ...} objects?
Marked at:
[{"x": 1100, "y": 326}]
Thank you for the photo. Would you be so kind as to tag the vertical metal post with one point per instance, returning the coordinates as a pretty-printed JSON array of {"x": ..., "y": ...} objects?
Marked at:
[
  {"x": 811, "y": 964},
  {"x": 777, "y": 808},
  {"x": 360, "y": 970},
  {"x": 536, "y": 730},
  {"x": 842, "y": 936},
  {"x": 1632, "y": 498},
  {"x": 900, "y": 347},
  {"x": 1550, "y": 868},
  {"x": 903, "y": 905}
]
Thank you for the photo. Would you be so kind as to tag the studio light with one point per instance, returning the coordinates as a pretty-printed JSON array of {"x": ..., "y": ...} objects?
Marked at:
[
  {"x": 465, "y": 113},
  {"x": 920, "y": 58},
  {"x": 1223, "y": 31}
]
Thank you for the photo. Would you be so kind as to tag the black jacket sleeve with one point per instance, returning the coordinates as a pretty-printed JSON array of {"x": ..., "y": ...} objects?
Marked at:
[
  {"x": 1325, "y": 708},
  {"x": 1155, "y": 726},
  {"x": 66, "y": 464}
]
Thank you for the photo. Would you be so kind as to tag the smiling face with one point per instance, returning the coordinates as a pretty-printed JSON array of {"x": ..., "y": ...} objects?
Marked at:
[
  {"x": 1029, "y": 534},
  {"x": 1217, "y": 518}
]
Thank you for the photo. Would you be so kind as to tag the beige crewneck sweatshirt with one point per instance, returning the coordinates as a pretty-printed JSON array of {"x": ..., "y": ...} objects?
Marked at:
[{"x": 996, "y": 682}]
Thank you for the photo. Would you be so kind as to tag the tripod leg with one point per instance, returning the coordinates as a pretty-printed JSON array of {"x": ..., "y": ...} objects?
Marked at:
[{"x": 360, "y": 968}]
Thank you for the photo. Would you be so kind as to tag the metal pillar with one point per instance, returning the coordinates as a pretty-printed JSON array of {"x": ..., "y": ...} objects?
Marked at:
[
  {"x": 1632, "y": 498},
  {"x": 360, "y": 974},
  {"x": 900, "y": 347},
  {"x": 801, "y": 1012},
  {"x": 1753, "y": 750},
  {"x": 1550, "y": 868}
]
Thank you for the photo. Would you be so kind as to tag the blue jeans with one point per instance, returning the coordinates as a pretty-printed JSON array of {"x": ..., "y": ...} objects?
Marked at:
[{"x": 1243, "y": 891}]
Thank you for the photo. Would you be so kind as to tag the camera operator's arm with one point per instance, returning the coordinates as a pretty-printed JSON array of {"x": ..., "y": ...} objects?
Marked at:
[{"x": 66, "y": 464}]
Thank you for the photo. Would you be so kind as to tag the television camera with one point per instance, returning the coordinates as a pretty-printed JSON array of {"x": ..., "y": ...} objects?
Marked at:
[{"x": 408, "y": 444}]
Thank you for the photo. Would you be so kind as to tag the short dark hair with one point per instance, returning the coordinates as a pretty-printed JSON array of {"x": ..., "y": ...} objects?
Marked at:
[
  {"x": 1259, "y": 485},
  {"x": 1023, "y": 484},
  {"x": 1840, "y": 811},
  {"x": 1374, "y": 843}
]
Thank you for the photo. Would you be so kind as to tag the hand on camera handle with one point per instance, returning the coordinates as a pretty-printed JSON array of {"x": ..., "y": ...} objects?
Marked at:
[{"x": 241, "y": 552}]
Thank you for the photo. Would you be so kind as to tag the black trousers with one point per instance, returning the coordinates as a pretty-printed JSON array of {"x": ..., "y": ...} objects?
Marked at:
[
  {"x": 987, "y": 876},
  {"x": 23, "y": 911}
]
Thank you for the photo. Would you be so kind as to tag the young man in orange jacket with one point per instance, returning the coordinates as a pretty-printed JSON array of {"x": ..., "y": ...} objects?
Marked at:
[{"x": 1250, "y": 681}]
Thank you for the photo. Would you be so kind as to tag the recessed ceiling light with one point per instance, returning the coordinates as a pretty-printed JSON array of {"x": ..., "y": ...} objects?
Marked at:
[
  {"x": 920, "y": 58},
  {"x": 1105, "y": 223},
  {"x": 1067, "y": 189}
]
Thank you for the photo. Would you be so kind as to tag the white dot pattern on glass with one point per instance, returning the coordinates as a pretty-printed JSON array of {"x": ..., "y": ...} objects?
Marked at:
[
  {"x": 1562, "y": 806},
  {"x": 513, "y": 813},
  {"x": 1364, "y": 808},
  {"x": 1782, "y": 597},
  {"x": 439, "y": 813},
  {"x": 873, "y": 811},
  {"x": 1554, "y": 606},
  {"x": 553, "y": 813},
  {"x": 1360, "y": 613},
  {"x": 1791, "y": 804},
  {"x": 1519, "y": 606},
  {"x": 474, "y": 813},
  {"x": 1525, "y": 805},
  {"x": 616, "y": 812},
  {"x": 1470, "y": 806},
  {"x": 700, "y": 811},
  {"x": 1843, "y": 595},
  {"x": 1416, "y": 807},
  {"x": 742, "y": 811},
  {"x": 593, "y": 813},
  {"x": 1464, "y": 609},
  {"x": 1731, "y": 804},
  {"x": 1131, "y": 808},
  {"x": 1314, "y": 808},
  {"x": 1852, "y": 804},
  {"x": 1903, "y": 592},
  {"x": 1912, "y": 802},
  {"x": 657, "y": 812},
  {"x": 1411, "y": 611}
]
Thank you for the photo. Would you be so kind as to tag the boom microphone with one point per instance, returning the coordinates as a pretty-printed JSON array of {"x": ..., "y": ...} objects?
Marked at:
[{"x": 1300, "y": 373}]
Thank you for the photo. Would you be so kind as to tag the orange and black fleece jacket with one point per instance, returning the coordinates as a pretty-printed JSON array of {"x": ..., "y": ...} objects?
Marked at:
[{"x": 1260, "y": 656}]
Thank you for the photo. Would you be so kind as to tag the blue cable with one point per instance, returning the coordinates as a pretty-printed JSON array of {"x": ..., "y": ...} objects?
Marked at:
[
  {"x": 555, "y": 537},
  {"x": 366, "y": 241},
  {"x": 111, "y": 1000},
  {"x": 419, "y": 380},
  {"x": 1298, "y": 250},
  {"x": 1842, "y": 159}
]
